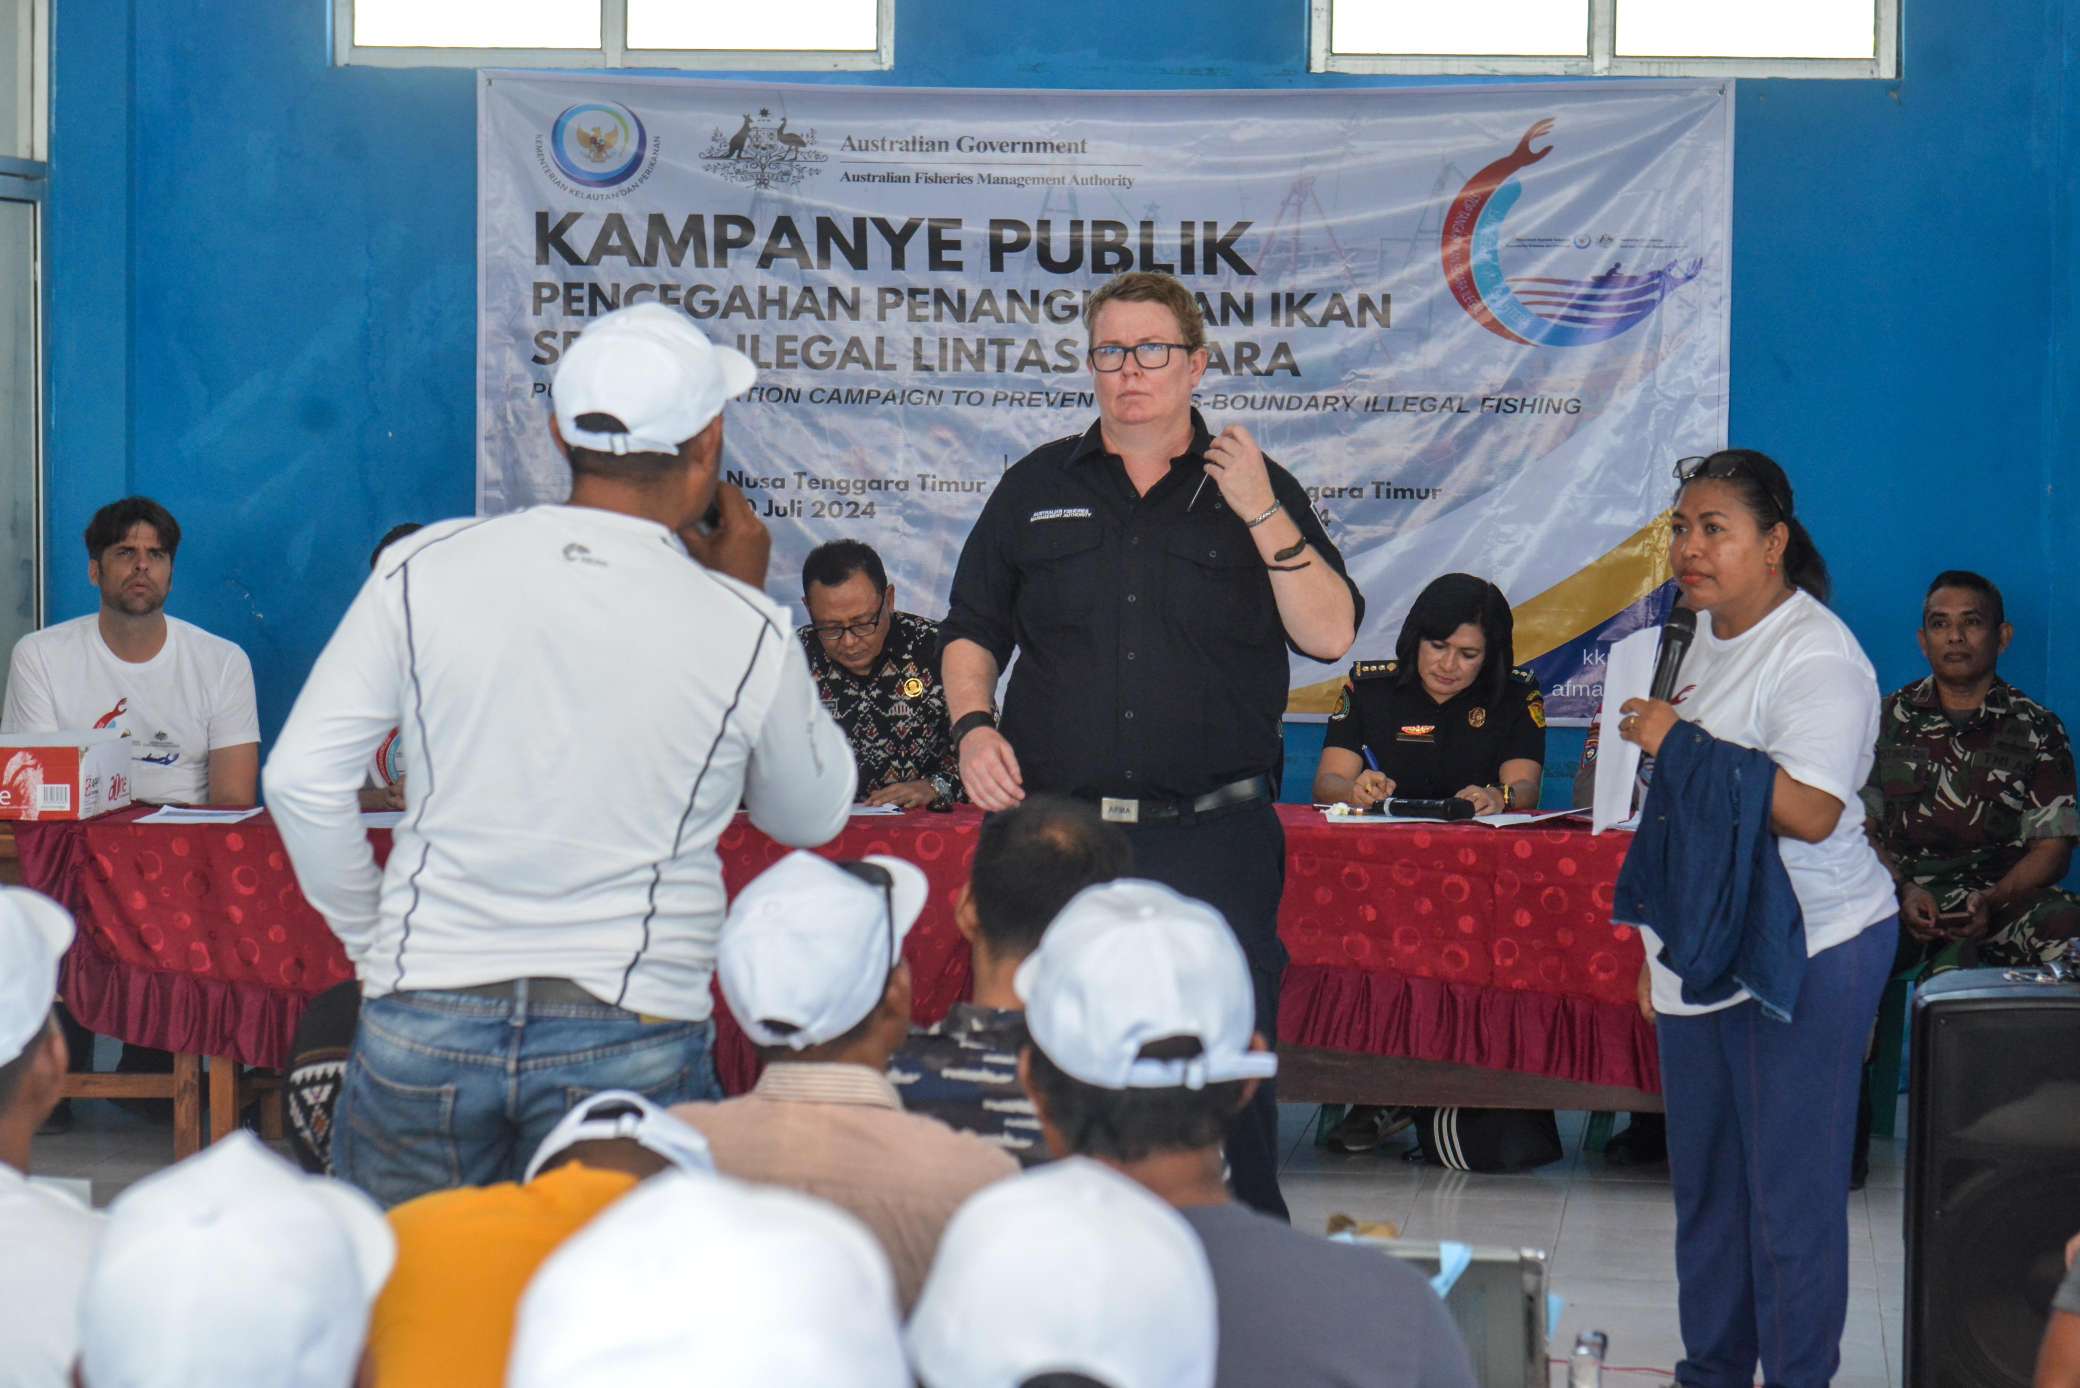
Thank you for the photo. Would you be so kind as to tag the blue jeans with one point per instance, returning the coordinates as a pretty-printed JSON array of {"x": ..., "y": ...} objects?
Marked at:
[
  {"x": 1761, "y": 1120},
  {"x": 450, "y": 1089}
]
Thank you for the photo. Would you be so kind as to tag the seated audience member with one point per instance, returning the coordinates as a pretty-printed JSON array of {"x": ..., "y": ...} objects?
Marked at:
[
  {"x": 233, "y": 1267},
  {"x": 877, "y": 671},
  {"x": 1971, "y": 795},
  {"x": 1143, "y": 1049},
  {"x": 2058, "y": 1358},
  {"x": 1073, "y": 1273},
  {"x": 46, "y": 1238},
  {"x": 1448, "y": 717},
  {"x": 183, "y": 697},
  {"x": 464, "y": 1256},
  {"x": 963, "y": 1070},
  {"x": 811, "y": 963},
  {"x": 384, "y": 789},
  {"x": 317, "y": 1068},
  {"x": 701, "y": 1279}
]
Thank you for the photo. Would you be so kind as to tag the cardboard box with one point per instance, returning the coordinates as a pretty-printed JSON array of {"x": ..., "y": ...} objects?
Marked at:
[{"x": 63, "y": 775}]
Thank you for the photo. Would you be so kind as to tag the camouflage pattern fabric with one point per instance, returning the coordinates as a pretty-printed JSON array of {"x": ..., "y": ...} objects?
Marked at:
[
  {"x": 963, "y": 1071},
  {"x": 1956, "y": 805}
]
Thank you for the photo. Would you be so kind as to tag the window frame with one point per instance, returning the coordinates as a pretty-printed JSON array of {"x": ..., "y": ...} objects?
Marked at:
[
  {"x": 27, "y": 180},
  {"x": 1602, "y": 59},
  {"x": 614, "y": 51}
]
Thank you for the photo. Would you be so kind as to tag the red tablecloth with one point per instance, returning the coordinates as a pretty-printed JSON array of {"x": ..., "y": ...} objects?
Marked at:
[{"x": 1459, "y": 943}]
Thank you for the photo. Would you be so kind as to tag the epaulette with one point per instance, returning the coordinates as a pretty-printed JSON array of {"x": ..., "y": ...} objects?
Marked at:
[{"x": 1374, "y": 669}]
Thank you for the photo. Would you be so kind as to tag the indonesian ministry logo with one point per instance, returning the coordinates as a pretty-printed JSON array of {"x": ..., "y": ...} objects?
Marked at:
[
  {"x": 763, "y": 152},
  {"x": 598, "y": 145},
  {"x": 1539, "y": 310}
]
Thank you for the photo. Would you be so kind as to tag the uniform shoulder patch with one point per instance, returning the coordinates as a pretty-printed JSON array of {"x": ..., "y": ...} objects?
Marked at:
[{"x": 1373, "y": 669}]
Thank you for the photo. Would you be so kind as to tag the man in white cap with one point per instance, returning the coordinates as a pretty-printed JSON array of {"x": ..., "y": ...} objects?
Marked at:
[
  {"x": 702, "y": 1279},
  {"x": 1072, "y": 1270},
  {"x": 1143, "y": 1051},
  {"x": 465, "y": 1256},
  {"x": 812, "y": 967},
  {"x": 46, "y": 1238},
  {"x": 233, "y": 1267},
  {"x": 586, "y": 708}
]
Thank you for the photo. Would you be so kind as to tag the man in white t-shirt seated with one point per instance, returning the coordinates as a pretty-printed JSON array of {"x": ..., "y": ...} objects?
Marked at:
[
  {"x": 182, "y": 697},
  {"x": 48, "y": 1238}
]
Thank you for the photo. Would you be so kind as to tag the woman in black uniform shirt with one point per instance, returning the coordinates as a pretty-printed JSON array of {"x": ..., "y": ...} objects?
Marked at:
[{"x": 1447, "y": 717}]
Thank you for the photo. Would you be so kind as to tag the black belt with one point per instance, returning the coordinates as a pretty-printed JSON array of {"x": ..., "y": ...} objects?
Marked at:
[{"x": 1233, "y": 796}]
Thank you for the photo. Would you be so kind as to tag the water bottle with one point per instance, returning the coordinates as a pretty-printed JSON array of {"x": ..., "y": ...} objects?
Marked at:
[{"x": 1585, "y": 1365}]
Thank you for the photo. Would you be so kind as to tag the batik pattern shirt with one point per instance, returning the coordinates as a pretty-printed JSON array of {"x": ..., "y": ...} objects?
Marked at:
[{"x": 895, "y": 717}]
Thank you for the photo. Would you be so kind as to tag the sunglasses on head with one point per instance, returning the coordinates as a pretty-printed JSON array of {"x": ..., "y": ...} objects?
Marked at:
[{"x": 1720, "y": 466}]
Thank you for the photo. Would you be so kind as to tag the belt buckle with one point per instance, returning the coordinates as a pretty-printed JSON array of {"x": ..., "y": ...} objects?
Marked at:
[{"x": 1114, "y": 810}]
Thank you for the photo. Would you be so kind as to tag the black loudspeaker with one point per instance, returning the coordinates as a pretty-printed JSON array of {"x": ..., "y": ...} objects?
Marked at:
[{"x": 1993, "y": 1173}]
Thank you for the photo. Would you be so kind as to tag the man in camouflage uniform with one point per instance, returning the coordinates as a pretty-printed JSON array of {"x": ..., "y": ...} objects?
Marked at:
[
  {"x": 1971, "y": 796},
  {"x": 1029, "y": 862}
]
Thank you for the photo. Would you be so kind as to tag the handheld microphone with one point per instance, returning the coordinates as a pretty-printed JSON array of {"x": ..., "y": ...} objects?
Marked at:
[{"x": 1676, "y": 633}]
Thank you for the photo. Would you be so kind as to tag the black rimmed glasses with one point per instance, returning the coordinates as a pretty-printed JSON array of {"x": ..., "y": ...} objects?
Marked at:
[
  {"x": 1718, "y": 466},
  {"x": 830, "y": 633},
  {"x": 1149, "y": 356}
]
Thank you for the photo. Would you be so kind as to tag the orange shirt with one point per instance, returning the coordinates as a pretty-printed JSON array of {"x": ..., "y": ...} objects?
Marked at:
[{"x": 445, "y": 1320}]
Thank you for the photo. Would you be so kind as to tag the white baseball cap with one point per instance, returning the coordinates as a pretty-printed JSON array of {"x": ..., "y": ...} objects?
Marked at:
[
  {"x": 35, "y": 932},
  {"x": 650, "y": 368},
  {"x": 1129, "y": 963},
  {"x": 233, "y": 1267},
  {"x": 614, "y": 1114},
  {"x": 810, "y": 944},
  {"x": 1070, "y": 1268},
  {"x": 701, "y": 1279}
]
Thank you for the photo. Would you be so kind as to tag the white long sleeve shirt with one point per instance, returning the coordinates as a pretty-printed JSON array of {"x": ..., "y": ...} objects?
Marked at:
[{"x": 586, "y": 706}]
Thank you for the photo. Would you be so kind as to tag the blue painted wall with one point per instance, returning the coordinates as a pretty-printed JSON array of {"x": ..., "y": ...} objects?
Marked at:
[{"x": 261, "y": 293}]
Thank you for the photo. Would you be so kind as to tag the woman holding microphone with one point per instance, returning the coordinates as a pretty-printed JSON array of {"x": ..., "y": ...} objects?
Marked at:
[{"x": 1761, "y": 1111}]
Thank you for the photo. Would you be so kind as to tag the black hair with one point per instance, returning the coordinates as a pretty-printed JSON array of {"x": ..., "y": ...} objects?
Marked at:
[
  {"x": 1134, "y": 1124},
  {"x": 626, "y": 467},
  {"x": 834, "y": 561},
  {"x": 1977, "y": 583},
  {"x": 1030, "y": 860},
  {"x": 391, "y": 537},
  {"x": 15, "y": 1071},
  {"x": 1765, "y": 491},
  {"x": 1453, "y": 601},
  {"x": 113, "y": 521}
]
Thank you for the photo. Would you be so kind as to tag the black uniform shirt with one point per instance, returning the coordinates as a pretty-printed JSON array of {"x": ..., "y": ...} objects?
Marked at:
[
  {"x": 1151, "y": 659},
  {"x": 1431, "y": 751}
]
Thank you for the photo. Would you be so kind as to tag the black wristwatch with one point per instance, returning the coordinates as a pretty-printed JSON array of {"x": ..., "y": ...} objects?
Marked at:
[{"x": 969, "y": 722}]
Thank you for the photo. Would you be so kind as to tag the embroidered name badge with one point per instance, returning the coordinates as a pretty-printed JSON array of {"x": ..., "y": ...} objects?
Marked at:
[{"x": 1060, "y": 513}]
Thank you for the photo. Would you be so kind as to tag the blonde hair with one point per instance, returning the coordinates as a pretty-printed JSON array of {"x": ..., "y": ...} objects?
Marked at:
[{"x": 1148, "y": 287}]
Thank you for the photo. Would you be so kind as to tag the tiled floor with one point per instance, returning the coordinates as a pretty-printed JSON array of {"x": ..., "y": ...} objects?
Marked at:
[{"x": 1609, "y": 1231}]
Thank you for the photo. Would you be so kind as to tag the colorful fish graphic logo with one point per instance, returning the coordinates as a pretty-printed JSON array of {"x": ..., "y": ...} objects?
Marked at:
[{"x": 1538, "y": 311}]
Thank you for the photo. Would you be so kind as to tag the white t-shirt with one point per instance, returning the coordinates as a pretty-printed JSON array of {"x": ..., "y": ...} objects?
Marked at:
[
  {"x": 194, "y": 696},
  {"x": 585, "y": 708},
  {"x": 1797, "y": 687},
  {"x": 45, "y": 1242}
]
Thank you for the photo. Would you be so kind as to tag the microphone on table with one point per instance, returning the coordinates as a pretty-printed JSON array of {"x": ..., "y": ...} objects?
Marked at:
[{"x": 1676, "y": 634}]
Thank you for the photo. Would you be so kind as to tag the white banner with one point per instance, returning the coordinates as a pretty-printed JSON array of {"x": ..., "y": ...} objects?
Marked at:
[{"x": 1478, "y": 324}]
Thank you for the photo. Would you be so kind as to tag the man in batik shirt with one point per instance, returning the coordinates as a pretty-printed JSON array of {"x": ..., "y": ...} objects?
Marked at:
[{"x": 878, "y": 672}]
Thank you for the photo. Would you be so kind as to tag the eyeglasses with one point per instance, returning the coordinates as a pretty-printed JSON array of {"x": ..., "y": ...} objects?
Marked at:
[
  {"x": 1722, "y": 465},
  {"x": 876, "y": 875},
  {"x": 831, "y": 632},
  {"x": 1149, "y": 356}
]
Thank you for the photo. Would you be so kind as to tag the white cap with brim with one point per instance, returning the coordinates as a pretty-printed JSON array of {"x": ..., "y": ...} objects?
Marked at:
[
  {"x": 810, "y": 945},
  {"x": 622, "y": 1114},
  {"x": 35, "y": 932},
  {"x": 1070, "y": 1268},
  {"x": 652, "y": 370},
  {"x": 233, "y": 1267},
  {"x": 702, "y": 1279},
  {"x": 1130, "y": 963}
]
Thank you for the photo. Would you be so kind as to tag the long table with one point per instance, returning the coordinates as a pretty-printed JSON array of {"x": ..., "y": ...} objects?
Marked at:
[{"x": 1430, "y": 963}]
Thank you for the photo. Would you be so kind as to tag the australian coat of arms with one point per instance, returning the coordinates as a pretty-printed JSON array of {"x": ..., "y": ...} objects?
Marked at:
[{"x": 763, "y": 152}]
